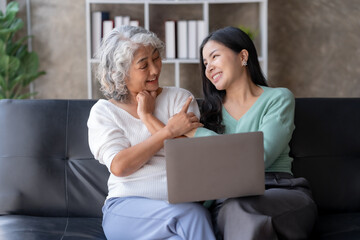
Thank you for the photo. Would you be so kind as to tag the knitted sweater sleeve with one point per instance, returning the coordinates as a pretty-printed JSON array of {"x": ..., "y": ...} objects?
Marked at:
[
  {"x": 277, "y": 124},
  {"x": 106, "y": 139},
  {"x": 180, "y": 97}
]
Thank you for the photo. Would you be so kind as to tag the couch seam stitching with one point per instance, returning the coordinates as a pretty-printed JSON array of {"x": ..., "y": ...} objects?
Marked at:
[{"x": 65, "y": 170}]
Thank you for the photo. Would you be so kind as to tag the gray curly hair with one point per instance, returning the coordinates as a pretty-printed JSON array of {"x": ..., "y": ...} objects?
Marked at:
[{"x": 116, "y": 54}]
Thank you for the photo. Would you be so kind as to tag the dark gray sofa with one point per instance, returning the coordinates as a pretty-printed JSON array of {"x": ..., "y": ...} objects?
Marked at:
[
  {"x": 326, "y": 150},
  {"x": 52, "y": 188}
]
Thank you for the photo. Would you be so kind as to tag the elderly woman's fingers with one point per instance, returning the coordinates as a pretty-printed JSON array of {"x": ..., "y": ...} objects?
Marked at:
[{"x": 186, "y": 105}]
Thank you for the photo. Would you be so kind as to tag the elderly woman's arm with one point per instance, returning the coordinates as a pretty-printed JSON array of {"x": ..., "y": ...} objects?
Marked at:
[
  {"x": 133, "y": 158},
  {"x": 146, "y": 104}
]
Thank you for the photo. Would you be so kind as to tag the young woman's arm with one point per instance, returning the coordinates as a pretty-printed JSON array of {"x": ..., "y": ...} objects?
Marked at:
[{"x": 278, "y": 126}]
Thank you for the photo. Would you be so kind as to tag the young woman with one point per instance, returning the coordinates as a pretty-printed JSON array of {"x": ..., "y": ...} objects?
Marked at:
[
  {"x": 124, "y": 135},
  {"x": 237, "y": 99}
]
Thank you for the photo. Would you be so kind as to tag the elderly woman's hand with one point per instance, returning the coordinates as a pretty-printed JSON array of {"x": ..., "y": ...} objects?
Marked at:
[
  {"x": 183, "y": 122},
  {"x": 146, "y": 103}
]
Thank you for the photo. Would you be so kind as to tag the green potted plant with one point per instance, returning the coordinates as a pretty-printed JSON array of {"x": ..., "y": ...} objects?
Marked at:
[
  {"x": 251, "y": 33},
  {"x": 18, "y": 66}
]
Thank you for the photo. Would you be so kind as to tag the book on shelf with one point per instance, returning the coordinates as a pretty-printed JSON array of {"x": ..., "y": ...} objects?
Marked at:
[
  {"x": 97, "y": 19},
  {"x": 125, "y": 20},
  {"x": 182, "y": 39},
  {"x": 170, "y": 39},
  {"x": 134, "y": 23},
  {"x": 192, "y": 40},
  {"x": 201, "y": 34},
  {"x": 108, "y": 25},
  {"x": 118, "y": 21}
]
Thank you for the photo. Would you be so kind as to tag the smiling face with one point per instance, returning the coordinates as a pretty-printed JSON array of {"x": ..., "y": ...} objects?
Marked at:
[
  {"x": 144, "y": 71},
  {"x": 222, "y": 65}
]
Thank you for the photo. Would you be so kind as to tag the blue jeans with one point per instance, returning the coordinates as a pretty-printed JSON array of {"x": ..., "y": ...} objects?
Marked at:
[{"x": 143, "y": 218}]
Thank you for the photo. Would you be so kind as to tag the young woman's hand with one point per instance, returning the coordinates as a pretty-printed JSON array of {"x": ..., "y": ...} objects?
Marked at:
[{"x": 183, "y": 122}]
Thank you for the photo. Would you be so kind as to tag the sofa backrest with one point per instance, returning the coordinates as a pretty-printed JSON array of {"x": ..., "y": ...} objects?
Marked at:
[
  {"x": 326, "y": 150},
  {"x": 46, "y": 167}
]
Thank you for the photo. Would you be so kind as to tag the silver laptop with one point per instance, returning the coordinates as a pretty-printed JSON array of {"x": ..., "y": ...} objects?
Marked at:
[{"x": 215, "y": 167}]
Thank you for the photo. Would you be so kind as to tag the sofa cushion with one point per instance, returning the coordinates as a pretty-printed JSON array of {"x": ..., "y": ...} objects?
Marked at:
[
  {"x": 326, "y": 127},
  {"x": 32, "y": 147},
  {"x": 18, "y": 227},
  {"x": 47, "y": 168},
  {"x": 325, "y": 148},
  {"x": 338, "y": 227},
  {"x": 334, "y": 180}
]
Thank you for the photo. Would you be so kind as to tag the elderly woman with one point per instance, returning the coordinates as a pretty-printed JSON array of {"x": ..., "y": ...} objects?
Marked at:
[{"x": 127, "y": 133}]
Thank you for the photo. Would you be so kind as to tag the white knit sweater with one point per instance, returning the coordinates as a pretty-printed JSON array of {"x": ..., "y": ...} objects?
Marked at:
[{"x": 112, "y": 129}]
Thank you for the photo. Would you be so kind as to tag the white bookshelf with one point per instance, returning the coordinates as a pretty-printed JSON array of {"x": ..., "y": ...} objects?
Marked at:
[{"x": 145, "y": 10}]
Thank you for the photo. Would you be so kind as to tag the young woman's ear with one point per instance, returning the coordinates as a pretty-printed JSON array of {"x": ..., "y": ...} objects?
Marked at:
[{"x": 244, "y": 56}]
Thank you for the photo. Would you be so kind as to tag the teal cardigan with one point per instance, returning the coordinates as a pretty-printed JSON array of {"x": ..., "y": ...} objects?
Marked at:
[{"x": 273, "y": 114}]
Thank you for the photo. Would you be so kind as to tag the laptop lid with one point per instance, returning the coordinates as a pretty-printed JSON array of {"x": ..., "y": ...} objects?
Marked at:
[{"x": 215, "y": 167}]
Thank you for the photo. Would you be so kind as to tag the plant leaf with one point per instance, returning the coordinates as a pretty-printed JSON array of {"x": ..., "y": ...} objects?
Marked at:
[
  {"x": 22, "y": 52},
  {"x": 30, "y": 62},
  {"x": 11, "y": 27},
  {"x": 11, "y": 9},
  {"x": 16, "y": 82},
  {"x": 2, "y": 47},
  {"x": 4, "y": 63},
  {"x": 26, "y": 95},
  {"x": 31, "y": 77},
  {"x": 14, "y": 64},
  {"x": 14, "y": 47},
  {"x": 2, "y": 83}
]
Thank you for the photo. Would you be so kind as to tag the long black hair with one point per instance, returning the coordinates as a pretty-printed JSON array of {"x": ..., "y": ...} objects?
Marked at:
[{"x": 236, "y": 40}]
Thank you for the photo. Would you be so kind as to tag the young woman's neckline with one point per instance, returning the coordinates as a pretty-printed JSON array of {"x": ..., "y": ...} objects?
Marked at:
[{"x": 249, "y": 110}]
